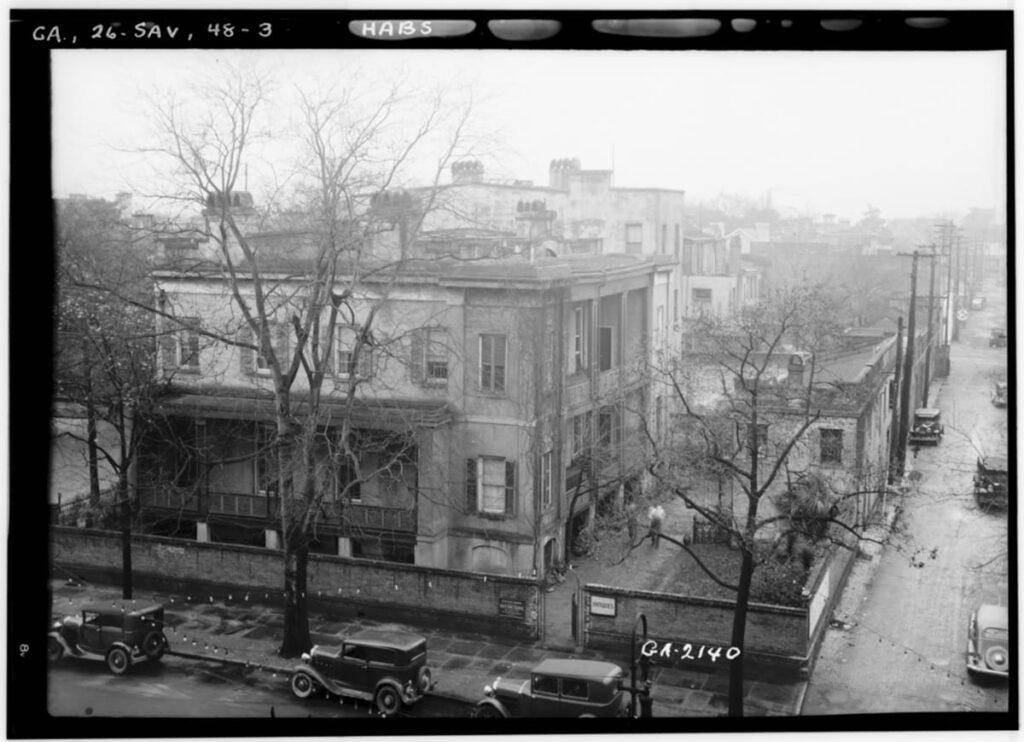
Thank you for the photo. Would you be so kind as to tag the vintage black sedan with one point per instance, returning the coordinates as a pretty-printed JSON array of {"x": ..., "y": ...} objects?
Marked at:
[
  {"x": 557, "y": 688},
  {"x": 119, "y": 633},
  {"x": 387, "y": 668},
  {"x": 927, "y": 427}
]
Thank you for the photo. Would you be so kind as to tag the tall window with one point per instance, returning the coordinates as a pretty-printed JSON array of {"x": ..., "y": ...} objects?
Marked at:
[
  {"x": 188, "y": 344},
  {"x": 437, "y": 356},
  {"x": 607, "y": 428},
  {"x": 492, "y": 363},
  {"x": 753, "y": 438},
  {"x": 634, "y": 237},
  {"x": 490, "y": 485},
  {"x": 675, "y": 304},
  {"x": 831, "y": 446},
  {"x": 545, "y": 479},
  {"x": 664, "y": 239},
  {"x": 265, "y": 462},
  {"x": 580, "y": 435},
  {"x": 278, "y": 332},
  {"x": 580, "y": 337}
]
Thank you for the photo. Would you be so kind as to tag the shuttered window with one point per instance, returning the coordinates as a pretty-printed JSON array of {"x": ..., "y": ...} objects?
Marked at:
[{"x": 490, "y": 485}]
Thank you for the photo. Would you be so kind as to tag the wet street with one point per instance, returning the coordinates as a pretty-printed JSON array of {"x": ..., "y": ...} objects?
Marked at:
[
  {"x": 181, "y": 688},
  {"x": 901, "y": 646}
]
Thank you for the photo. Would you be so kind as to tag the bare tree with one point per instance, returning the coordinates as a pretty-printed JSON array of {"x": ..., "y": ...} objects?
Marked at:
[
  {"x": 741, "y": 417},
  {"x": 105, "y": 348},
  {"x": 347, "y": 240}
]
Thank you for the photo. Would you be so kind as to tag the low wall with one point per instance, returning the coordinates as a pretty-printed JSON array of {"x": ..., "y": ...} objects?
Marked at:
[
  {"x": 776, "y": 637},
  {"x": 344, "y": 587},
  {"x": 825, "y": 586}
]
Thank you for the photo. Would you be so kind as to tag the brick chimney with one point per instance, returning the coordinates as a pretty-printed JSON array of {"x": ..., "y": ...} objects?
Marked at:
[
  {"x": 467, "y": 171},
  {"x": 559, "y": 171}
]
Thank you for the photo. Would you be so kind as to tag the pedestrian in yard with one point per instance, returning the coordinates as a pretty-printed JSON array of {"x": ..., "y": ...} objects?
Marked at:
[{"x": 657, "y": 515}]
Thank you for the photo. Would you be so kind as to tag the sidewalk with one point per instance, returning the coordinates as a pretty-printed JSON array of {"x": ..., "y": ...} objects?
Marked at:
[{"x": 239, "y": 631}]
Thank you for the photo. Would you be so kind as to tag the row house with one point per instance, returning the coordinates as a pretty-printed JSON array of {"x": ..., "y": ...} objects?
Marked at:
[{"x": 498, "y": 403}]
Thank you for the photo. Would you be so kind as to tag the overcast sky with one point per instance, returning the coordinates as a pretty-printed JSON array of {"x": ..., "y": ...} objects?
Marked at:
[{"x": 913, "y": 133}]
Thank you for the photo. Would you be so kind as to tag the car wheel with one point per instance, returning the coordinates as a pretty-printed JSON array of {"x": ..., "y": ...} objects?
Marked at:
[
  {"x": 997, "y": 659},
  {"x": 424, "y": 680},
  {"x": 487, "y": 711},
  {"x": 388, "y": 701},
  {"x": 154, "y": 644},
  {"x": 118, "y": 660},
  {"x": 303, "y": 685},
  {"x": 54, "y": 651}
]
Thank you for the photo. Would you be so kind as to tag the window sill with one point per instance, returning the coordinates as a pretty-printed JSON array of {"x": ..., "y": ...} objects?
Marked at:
[
  {"x": 493, "y": 516},
  {"x": 192, "y": 370}
]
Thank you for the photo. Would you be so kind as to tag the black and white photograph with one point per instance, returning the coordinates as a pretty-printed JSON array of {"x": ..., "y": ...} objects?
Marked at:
[{"x": 460, "y": 371}]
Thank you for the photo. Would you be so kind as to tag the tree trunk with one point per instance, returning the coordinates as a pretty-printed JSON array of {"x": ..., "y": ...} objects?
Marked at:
[
  {"x": 126, "y": 539},
  {"x": 296, "y": 638},
  {"x": 739, "y": 629},
  {"x": 90, "y": 437}
]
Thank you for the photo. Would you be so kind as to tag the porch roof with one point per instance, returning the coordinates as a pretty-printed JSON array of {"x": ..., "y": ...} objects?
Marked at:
[{"x": 385, "y": 414}]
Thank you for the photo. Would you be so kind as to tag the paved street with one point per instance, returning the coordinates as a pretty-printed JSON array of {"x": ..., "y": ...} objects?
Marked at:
[{"x": 902, "y": 641}]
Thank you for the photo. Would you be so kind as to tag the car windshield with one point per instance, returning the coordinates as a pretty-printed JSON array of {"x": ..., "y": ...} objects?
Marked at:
[{"x": 991, "y": 632}]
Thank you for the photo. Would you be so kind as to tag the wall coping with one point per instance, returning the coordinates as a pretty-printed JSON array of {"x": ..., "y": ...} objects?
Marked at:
[
  {"x": 696, "y": 600},
  {"x": 329, "y": 558}
]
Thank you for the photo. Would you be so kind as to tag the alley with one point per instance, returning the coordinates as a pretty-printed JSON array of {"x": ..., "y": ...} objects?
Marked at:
[{"x": 900, "y": 633}]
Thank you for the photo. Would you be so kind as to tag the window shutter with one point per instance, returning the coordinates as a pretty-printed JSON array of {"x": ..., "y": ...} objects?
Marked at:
[
  {"x": 510, "y": 487},
  {"x": 246, "y": 357},
  {"x": 416, "y": 356},
  {"x": 471, "y": 503}
]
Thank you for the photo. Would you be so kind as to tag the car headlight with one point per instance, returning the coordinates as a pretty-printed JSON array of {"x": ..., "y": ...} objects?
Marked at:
[
  {"x": 305, "y": 657},
  {"x": 488, "y": 691}
]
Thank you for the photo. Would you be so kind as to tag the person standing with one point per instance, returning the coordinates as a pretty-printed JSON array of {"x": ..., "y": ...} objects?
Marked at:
[{"x": 657, "y": 516}]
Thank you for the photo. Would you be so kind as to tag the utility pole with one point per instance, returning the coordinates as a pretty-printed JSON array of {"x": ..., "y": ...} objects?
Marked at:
[
  {"x": 895, "y": 466},
  {"x": 947, "y": 241},
  {"x": 928, "y": 342},
  {"x": 908, "y": 371},
  {"x": 956, "y": 284}
]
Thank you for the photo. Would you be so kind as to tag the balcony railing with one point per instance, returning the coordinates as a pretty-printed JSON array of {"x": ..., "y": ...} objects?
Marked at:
[
  {"x": 373, "y": 517},
  {"x": 225, "y": 503},
  {"x": 350, "y": 517}
]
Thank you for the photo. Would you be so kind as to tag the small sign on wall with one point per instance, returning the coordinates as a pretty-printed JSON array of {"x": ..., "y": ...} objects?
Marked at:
[
  {"x": 601, "y": 606},
  {"x": 511, "y": 608}
]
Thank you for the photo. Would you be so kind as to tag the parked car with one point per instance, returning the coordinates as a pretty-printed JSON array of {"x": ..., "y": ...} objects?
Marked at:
[
  {"x": 119, "y": 633},
  {"x": 558, "y": 688},
  {"x": 927, "y": 426},
  {"x": 997, "y": 338},
  {"x": 387, "y": 668},
  {"x": 987, "y": 638},
  {"x": 990, "y": 482},
  {"x": 999, "y": 394}
]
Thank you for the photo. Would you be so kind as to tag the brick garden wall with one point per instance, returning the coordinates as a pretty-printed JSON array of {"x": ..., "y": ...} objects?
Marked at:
[
  {"x": 776, "y": 637},
  {"x": 345, "y": 587}
]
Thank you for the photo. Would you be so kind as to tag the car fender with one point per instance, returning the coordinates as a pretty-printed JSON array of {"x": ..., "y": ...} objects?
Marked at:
[
  {"x": 60, "y": 639},
  {"x": 317, "y": 676},
  {"x": 496, "y": 704},
  {"x": 134, "y": 653},
  {"x": 389, "y": 681}
]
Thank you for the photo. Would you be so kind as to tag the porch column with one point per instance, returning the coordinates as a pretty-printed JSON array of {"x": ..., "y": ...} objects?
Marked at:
[
  {"x": 271, "y": 541},
  {"x": 344, "y": 546},
  {"x": 202, "y": 531}
]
